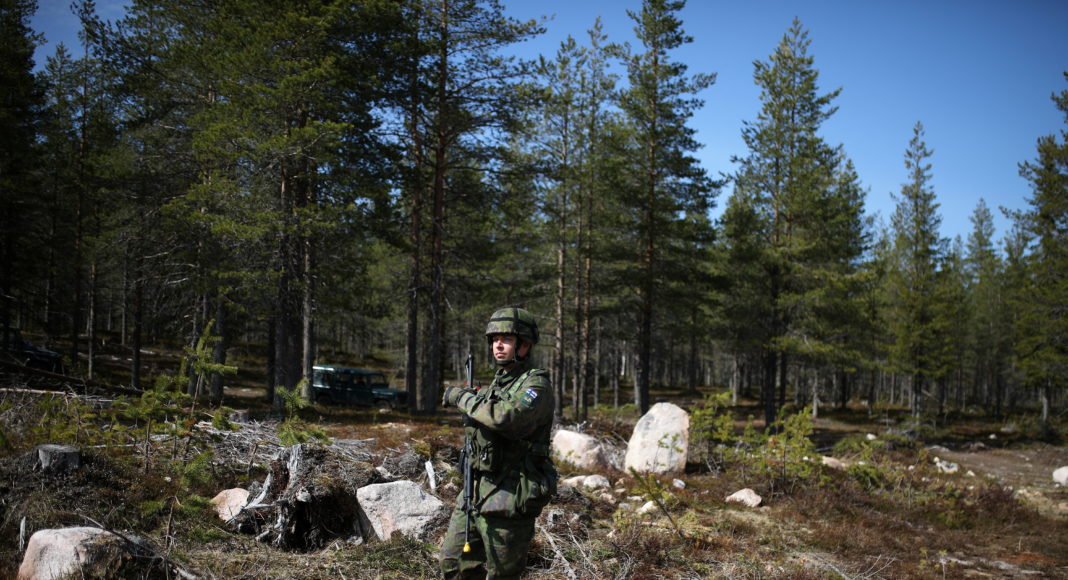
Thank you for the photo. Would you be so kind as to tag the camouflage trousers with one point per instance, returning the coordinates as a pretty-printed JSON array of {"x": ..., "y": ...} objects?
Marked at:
[{"x": 498, "y": 546}]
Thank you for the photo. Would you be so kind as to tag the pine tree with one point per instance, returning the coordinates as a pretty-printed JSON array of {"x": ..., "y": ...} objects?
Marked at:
[
  {"x": 800, "y": 224},
  {"x": 19, "y": 118},
  {"x": 986, "y": 331},
  {"x": 460, "y": 95},
  {"x": 1044, "y": 350},
  {"x": 668, "y": 182},
  {"x": 918, "y": 250}
]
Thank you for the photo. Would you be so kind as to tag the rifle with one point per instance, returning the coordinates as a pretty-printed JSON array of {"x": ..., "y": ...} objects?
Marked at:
[{"x": 465, "y": 460}]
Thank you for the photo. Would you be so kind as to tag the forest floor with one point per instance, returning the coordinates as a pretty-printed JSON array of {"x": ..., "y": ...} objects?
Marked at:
[{"x": 890, "y": 515}]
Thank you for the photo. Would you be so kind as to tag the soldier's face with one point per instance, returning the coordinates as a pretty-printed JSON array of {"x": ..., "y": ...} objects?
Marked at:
[{"x": 504, "y": 347}]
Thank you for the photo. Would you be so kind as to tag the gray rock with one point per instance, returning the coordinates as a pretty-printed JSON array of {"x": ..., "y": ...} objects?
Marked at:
[
  {"x": 1060, "y": 475},
  {"x": 399, "y": 506},
  {"x": 658, "y": 444}
]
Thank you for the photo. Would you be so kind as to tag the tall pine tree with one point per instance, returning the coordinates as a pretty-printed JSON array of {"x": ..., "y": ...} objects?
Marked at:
[
  {"x": 1044, "y": 350},
  {"x": 917, "y": 251},
  {"x": 667, "y": 180}
]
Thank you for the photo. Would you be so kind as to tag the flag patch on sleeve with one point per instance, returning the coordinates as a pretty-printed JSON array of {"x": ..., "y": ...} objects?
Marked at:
[{"x": 529, "y": 396}]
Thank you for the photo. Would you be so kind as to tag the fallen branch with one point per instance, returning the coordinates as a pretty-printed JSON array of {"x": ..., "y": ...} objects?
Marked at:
[{"x": 559, "y": 554}]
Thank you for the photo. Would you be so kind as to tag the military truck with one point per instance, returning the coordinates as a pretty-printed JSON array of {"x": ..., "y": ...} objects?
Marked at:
[{"x": 340, "y": 385}]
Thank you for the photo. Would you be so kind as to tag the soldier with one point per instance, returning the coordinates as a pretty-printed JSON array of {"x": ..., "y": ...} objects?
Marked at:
[{"x": 509, "y": 427}]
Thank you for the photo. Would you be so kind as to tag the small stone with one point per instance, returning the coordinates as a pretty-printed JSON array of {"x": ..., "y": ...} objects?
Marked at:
[
  {"x": 678, "y": 484},
  {"x": 574, "y": 481},
  {"x": 596, "y": 482},
  {"x": 1060, "y": 475},
  {"x": 648, "y": 508},
  {"x": 946, "y": 466},
  {"x": 834, "y": 463},
  {"x": 745, "y": 497}
]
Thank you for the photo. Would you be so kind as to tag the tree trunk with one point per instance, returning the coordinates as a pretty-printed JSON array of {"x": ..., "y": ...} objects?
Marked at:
[
  {"x": 917, "y": 394},
  {"x": 218, "y": 353},
  {"x": 308, "y": 311},
  {"x": 417, "y": 165},
  {"x": 816, "y": 394},
  {"x": 91, "y": 321},
  {"x": 288, "y": 302},
  {"x": 768, "y": 392},
  {"x": 692, "y": 366},
  {"x": 135, "y": 338},
  {"x": 429, "y": 391},
  {"x": 783, "y": 372},
  {"x": 558, "y": 335},
  {"x": 272, "y": 335},
  {"x": 1046, "y": 392},
  {"x": 735, "y": 379}
]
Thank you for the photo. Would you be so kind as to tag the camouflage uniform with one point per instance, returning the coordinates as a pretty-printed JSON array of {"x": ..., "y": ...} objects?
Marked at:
[{"x": 509, "y": 429}]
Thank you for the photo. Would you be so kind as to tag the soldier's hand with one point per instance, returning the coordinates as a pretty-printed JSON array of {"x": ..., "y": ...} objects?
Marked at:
[{"x": 453, "y": 394}]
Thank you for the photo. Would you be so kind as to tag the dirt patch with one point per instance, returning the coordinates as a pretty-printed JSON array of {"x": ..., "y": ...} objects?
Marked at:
[{"x": 1027, "y": 470}]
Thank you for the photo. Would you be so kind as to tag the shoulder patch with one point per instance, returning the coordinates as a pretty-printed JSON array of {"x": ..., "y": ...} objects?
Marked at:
[{"x": 528, "y": 398}]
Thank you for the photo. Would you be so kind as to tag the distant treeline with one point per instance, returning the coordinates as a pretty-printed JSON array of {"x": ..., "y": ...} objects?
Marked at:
[{"x": 345, "y": 179}]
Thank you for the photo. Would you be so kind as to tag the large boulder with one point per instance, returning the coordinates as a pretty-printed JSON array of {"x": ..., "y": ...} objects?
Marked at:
[
  {"x": 658, "y": 444},
  {"x": 578, "y": 449},
  {"x": 398, "y": 506},
  {"x": 83, "y": 552}
]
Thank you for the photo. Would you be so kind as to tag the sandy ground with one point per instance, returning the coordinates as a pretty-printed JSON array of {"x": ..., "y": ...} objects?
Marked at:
[{"x": 1028, "y": 471}]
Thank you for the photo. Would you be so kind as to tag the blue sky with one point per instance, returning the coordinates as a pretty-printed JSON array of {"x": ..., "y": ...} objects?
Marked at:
[{"x": 977, "y": 73}]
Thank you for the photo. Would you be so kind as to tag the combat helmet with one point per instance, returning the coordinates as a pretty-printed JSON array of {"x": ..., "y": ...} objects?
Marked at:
[{"x": 515, "y": 321}]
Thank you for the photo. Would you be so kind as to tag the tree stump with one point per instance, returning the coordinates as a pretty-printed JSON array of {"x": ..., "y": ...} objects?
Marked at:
[
  {"x": 52, "y": 457},
  {"x": 307, "y": 499},
  {"x": 239, "y": 416}
]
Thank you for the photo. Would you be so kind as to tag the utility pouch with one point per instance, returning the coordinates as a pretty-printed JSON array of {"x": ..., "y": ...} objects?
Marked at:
[
  {"x": 537, "y": 485},
  {"x": 497, "y": 496},
  {"x": 488, "y": 451}
]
